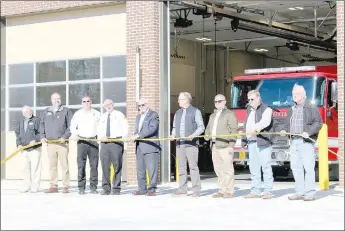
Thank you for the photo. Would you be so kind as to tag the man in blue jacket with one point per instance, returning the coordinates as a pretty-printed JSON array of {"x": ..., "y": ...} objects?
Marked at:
[
  {"x": 27, "y": 133},
  {"x": 148, "y": 152}
]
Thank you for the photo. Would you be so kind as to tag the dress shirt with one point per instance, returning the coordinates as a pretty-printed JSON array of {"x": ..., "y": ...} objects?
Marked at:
[
  {"x": 142, "y": 118},
  {"x": 84, "y": 124},
  {"x": 118, "y": 125},
  {"x": 215, "y": 123}
]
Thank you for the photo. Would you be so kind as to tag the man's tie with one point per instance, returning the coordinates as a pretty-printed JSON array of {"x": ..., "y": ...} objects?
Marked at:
[{"x": 108, "y": 126}]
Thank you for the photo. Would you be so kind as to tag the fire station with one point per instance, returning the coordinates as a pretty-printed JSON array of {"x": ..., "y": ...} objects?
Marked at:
[{"x": 156, "y": 49}]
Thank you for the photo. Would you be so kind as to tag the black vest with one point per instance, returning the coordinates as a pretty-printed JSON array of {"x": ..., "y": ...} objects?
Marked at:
[{"x": 262, "y": 140}]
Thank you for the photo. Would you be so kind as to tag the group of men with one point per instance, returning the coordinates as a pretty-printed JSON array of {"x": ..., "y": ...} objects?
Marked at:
[{"x": 58, "y": 123}]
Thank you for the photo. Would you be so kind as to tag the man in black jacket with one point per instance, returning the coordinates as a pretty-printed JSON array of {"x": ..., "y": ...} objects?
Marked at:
[
  {"x": 303, "y": 118},
  {"x": 27, "y": 132}
]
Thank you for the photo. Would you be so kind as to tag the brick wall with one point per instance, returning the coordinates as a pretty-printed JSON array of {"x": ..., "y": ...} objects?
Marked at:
[
  {"x": 340, "y": 57},
  {"x": 11, "y": 8},
  {"x": 142, "y": 32}
]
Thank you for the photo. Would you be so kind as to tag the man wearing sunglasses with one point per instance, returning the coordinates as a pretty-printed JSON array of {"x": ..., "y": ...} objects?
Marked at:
[
  {"x": 113, "y": 125},
  {"x": 259, "y": 119},
  {"x": 188, "y": 123},
  {"x": 147, "y": 126},
  {"x": 84, "y": 125},
  {"x": 222, "y": 122}
]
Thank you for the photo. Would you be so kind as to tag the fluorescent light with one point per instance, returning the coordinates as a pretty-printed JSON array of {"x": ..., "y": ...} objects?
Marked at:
[
  {"x": 204, "y": 39},
  {"x": 292, "y": 8},
  {"x": 300, "y": 8},
  {"x": 260, "y": 50}
]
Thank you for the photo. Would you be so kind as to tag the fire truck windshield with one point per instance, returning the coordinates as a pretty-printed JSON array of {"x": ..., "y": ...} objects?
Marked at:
[{"x": 277, "y": 93}]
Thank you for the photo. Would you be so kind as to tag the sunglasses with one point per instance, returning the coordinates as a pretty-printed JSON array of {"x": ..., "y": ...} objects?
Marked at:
[
  {"x": 86, "y": 101},
  {"x": 218, "y": 101},
  {"x": 141, "y": 105}
]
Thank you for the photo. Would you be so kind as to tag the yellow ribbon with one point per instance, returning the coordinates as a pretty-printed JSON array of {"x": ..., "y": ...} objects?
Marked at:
[{"x": 159, "y": 139}]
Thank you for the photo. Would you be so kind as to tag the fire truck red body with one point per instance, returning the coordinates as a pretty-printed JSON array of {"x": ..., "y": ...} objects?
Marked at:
[{"x": 275, "y": 86}]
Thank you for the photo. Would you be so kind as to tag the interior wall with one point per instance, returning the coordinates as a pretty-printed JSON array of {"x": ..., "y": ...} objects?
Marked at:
[{"x": 197, "y": 67}]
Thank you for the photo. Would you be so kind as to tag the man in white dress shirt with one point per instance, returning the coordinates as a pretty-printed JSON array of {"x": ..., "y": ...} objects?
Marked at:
[
  {"x": 113, "y": 125},
  {"x": 84, "y": 125}
]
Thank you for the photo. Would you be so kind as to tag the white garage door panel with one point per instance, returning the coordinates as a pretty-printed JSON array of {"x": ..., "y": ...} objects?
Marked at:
[{"x": 74, "y": 34}]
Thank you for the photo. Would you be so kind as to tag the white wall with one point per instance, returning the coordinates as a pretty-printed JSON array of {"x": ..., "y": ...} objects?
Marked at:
[{"x": 83, "y": 33}]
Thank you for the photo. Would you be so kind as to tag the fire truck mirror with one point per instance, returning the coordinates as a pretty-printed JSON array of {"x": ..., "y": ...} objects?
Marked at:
[{"x": 334, "y": 89}]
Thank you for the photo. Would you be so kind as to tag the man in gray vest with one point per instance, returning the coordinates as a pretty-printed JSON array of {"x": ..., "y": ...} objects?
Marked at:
[
  {"x": 187, "y": 122},
  {"x": 259, "y": 119}
]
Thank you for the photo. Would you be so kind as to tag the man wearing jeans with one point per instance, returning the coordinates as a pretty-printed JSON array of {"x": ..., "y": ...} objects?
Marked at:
[
  {"x": 259, "y": 119},
  {"x": 303, "y": 118},
  {"x": 55, "y": 125},
  {"x": 187, "y": 123}
]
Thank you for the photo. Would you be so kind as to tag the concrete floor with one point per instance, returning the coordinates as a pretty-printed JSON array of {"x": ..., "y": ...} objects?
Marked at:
[{"x": 72, "y": 211}]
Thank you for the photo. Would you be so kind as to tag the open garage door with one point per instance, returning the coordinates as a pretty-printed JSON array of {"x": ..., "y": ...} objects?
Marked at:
[{"x": 212, "y": 43}]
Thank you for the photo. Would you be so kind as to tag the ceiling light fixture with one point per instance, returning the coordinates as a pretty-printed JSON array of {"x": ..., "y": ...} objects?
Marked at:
[
  {"x": 292, "y": 8},
  {"x": 299, "y": 7},
  {"x": 260, "y": 50},
  {"x": 204, "y": 39}
]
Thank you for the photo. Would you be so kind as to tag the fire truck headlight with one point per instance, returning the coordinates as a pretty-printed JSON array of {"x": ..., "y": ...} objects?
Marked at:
[{"x": 282, "y": 155}]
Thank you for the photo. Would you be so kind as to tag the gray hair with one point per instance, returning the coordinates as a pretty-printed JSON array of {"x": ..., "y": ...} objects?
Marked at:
[
  {"x": 187, "y": 95},
  {"x": 254, "y": 92},
  {"x": 26, "y": 108},
  {"x": 301, "y": 88}
]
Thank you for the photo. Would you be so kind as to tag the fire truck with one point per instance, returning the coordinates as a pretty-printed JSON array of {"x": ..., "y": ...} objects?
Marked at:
[{"x": 275, "y": 87}]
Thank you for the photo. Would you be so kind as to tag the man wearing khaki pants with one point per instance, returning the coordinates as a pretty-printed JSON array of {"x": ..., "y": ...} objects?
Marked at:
[
  {"x": 27, "y": 133},
  {"x": 55, "y": 125},
  {"x": 222, "y": 122}
]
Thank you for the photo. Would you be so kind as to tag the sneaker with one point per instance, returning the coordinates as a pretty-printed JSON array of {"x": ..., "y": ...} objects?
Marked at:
[
  {"x": 296, "y": 197},
  {"x": 24, "y": 190},
  {"x": 309, "y": 198},
  {"x": 52, "y": 190},
  {"x": 178, "y": 194},
  {"x": 218, "y": 195},
  {"x": 267, "y": 196},
  {"x": 251, "y": 196}
]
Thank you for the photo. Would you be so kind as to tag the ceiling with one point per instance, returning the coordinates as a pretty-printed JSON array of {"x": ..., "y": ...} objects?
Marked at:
[{"x": 282, "y": 11}]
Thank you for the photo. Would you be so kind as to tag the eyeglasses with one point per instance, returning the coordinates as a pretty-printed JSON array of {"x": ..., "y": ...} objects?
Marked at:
[
  {"x": 86, "y": 101},
  {"x": 218, "y": 101},
  {"x": 141, "y": 105},
  {"x": 251, "y": 99}
]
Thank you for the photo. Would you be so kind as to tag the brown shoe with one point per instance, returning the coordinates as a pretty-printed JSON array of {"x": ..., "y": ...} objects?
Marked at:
[
  {"x": 218, "y": 195},
  {"x": 151, "y": 194},
  {"x": 178, "y": 194},
  {"x": 251, "y": 195},
  {"x": 65, "y": 190},
  {"x": 138, "y": 193},
  {"x": 267, "y": 196},
  {"x": 52, "y": 190},
  {"x": 228, "y": 195}
]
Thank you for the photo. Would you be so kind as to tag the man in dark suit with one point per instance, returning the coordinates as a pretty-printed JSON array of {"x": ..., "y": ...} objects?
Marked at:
[{"x": 148, "y": 152}]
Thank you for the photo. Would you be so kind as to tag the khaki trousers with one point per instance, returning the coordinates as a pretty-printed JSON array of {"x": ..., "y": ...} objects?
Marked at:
[
  {"x": 223, "y": 166},
  {"x": 58, "y": 152},
  {"x": 31, "y": 169}
]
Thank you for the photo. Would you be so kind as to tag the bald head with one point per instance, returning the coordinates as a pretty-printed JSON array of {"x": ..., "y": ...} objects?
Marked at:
[
  {"x": 142, "y": 105},
  {"x": 27, "y": 112},
  {"x": 220, "y": 101}
]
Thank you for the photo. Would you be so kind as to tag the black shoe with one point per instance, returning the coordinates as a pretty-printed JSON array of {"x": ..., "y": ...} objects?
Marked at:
[
  {"x": 94, "y": 191},
  {"x": 105, "y": 192},
  {"x": 82, "y": 192},
  {"x": 115, "y": 193}
]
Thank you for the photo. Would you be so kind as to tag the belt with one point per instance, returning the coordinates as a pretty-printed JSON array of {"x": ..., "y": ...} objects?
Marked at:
[
  {"x": 119, "y": 137},
  {"x": 83, "y": 137}
]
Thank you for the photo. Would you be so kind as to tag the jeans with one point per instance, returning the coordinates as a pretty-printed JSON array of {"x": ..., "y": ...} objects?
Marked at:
[
  {"x": 260, "y": 157},
  {"x": 303, "y": 167}
]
